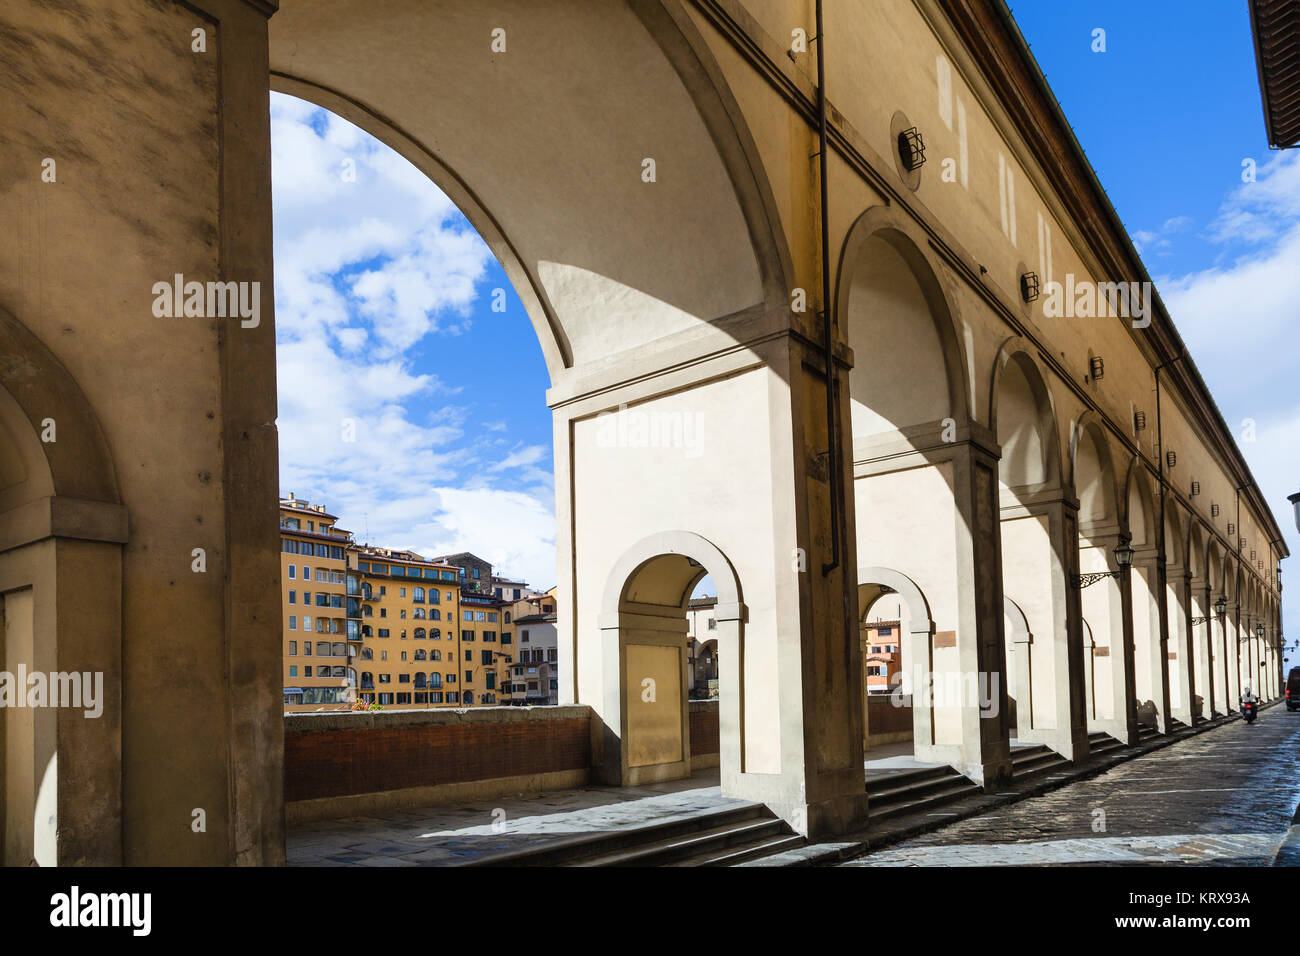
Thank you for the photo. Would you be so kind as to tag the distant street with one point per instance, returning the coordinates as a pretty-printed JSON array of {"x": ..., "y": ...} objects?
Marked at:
[{"x": 1225, "y": 797}]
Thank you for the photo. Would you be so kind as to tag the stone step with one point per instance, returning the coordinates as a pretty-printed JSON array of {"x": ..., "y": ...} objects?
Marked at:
[
  {"x": 1031, "y": 762},
  {"x": 899, "y": 803},
  {"x": 890, "y": 791},
  {"x": 744, "y": 852},
  {"x": 709, "y": 844},
  {"x": 575, "y": 850},
  {"x": 892, "y": 779},
  {"x": 1101, "y": 742}
]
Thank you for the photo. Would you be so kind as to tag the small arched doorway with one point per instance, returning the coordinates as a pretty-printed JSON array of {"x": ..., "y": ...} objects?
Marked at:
[{"x": 644, "y": 633}]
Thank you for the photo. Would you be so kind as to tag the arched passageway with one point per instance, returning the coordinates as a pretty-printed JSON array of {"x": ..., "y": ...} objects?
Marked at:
[
  {"x": 922, "y": 492},
  {"x": 1040, "y": 556},
  {"x": 1105, "y": 602},
  {"x": 61, "y": 535},
  {"x": 643, "y": 628}
]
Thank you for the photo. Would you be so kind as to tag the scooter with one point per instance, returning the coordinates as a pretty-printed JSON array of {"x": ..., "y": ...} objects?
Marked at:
[{"x": 1250, "y": 710}]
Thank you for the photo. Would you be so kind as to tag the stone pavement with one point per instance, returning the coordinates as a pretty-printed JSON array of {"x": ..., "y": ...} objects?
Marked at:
[
  {"x": 454, "y": 835},
  {"x": 1224, "y": 797}
]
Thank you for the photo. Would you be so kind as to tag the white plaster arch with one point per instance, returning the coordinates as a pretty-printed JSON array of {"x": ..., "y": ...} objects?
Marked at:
[
  {"x": 553, "y": 181},
  {"x": 644, "y": 605},
  {"x": 1031, "y": 448},
  {"x": 883, "y": 263}
]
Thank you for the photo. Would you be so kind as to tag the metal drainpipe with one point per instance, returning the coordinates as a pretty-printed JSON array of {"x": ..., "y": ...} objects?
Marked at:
[{"x": 828, "y": 341}]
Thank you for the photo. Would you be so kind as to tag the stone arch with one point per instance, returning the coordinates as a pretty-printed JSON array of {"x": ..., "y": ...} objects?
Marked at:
[
  {"x": 1092, "y": 474},
  {"x": 1026, "y": 428},
  {"x": 1138, "y": 493},
  {"x": 78, "y": 462},
  {"x": 563, "y": 239},
  {"x": 62, "y": 526},
  {"x": 888, "y": 290},
  {"x": 918, "y": 651},
  {"x": 643, "y": 629}
]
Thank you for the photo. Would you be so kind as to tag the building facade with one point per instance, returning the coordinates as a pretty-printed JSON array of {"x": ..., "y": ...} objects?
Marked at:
[
  {"x": 534, "y": 674},
  {"x": 881, "y": 660},
  {"x": 320, "y": 646},
  {"x": 889, "y": 401}
]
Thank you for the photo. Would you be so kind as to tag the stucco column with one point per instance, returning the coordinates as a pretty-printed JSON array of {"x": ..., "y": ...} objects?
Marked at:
[{"x": 985, "y": 734}]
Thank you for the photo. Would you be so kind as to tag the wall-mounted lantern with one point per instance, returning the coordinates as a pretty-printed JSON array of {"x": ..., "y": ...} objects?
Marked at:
[
  {"x": 1096, "y": 367},
  {"x": 1029, "y": 286},
  {"x": 911, "y": 148},
  {"x": 1123, "y": 557}
]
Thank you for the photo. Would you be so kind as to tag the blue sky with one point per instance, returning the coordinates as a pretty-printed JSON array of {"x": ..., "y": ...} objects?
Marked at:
[
  {"x": 1167, "y": 115},
  {"x": 386, "y": 336},
  {"x": 383, "y": 291}
]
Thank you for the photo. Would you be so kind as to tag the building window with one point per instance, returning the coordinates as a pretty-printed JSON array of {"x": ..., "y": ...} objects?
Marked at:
[
  {"x": 713, "y": 625},
  {"x": 385, "y": 678},
  {"x": 523, "y": 636},
  {"x": 451, "y": 678},
  {"x": 293, "y": 622},
  {"x": 293, "y": 648},
  {"x": 293, "y": 670},
  {"x": 469, "y": 677},
  {"x": 487, "y": 657},
  {"x": 467, "y": 635},
  {"x": 292, "y": 572}
]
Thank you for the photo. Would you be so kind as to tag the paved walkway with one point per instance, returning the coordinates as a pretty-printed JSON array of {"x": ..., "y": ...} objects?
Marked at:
[
  {"x": 456, "y": 834},
  {"x": 453, "y": 835},
  {"x": 1225, "y": 797}
]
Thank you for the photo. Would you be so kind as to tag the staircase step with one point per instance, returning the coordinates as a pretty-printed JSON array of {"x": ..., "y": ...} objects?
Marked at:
[
  {"x": 892, "y": 794},
  {"x": 606, "y": 842},
  {"x": 674, "y": 848},
  {"x": 892, "y": 779},
  {"x": 744, "y": 852},
  {"x": 955, "y": 789}
]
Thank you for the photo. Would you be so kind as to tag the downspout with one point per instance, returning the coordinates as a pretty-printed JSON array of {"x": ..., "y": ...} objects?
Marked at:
[{"x": 828, "y": 340}]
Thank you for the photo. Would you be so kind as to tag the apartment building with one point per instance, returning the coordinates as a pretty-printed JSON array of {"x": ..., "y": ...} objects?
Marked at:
[
  {"x": 320, "y": 644},
  {"x": 410, "y": 652},
  {"x": 534, "y": 674}
]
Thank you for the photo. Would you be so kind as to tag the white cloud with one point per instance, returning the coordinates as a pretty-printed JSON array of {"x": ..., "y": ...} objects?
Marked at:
[
  {"x": 371, "y": 259},
  {"x": 1239, "y": 320}
]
